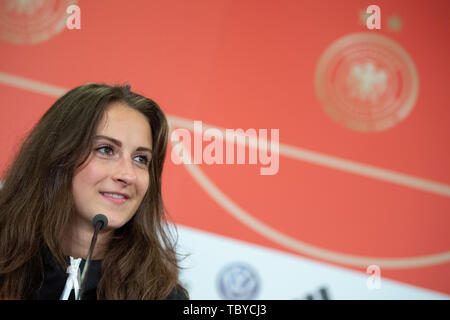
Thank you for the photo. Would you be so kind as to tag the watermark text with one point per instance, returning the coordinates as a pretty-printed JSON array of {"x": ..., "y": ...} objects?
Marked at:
[{"x": 220, "y": 147}]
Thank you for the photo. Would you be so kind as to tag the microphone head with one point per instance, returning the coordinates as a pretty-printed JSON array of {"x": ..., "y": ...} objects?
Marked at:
[{"x": 100, "y": 218}]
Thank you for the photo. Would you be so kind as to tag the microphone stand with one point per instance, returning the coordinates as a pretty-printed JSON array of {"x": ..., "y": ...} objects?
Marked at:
[{"x": 98, "y": 227}]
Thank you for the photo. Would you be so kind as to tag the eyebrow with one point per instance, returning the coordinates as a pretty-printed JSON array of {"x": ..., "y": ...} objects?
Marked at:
[{"x": 119, "y": 143}]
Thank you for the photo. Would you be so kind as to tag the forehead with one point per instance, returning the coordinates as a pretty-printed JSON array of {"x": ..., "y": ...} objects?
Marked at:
[{"x": 125, "y": 124}]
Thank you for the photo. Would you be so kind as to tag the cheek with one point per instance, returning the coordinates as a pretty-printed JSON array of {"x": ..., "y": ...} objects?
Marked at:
[
  {"x": 87, "y": 177},
  {"x": 143, "y": 185}
]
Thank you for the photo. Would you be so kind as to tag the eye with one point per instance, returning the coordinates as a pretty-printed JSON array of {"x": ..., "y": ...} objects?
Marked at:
[
  {"x": 142, "y": 159},
  {"x": 105, "y": 150}
]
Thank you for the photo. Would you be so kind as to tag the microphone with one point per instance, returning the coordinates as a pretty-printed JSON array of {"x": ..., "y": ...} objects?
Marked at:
[
  {"x": 99, "y": 222},
  {"x": 100, "y": 218}
]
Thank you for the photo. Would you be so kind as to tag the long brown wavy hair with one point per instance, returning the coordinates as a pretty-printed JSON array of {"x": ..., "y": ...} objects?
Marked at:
[{"x": 36, "y": 202}]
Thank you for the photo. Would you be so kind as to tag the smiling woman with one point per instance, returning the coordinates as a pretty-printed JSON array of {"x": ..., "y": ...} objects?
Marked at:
[
  {"x": 98, "y": 149},
  {"x": 117, "y": 168}
]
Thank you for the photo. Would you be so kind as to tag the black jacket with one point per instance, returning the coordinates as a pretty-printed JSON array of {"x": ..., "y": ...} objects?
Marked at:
[{"x": 55, "y": 278}]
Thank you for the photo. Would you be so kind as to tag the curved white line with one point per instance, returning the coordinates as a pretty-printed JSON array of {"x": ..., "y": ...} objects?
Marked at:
[
  {"x": 31, "y": 85},
  {"x": 274, "y": 235}
]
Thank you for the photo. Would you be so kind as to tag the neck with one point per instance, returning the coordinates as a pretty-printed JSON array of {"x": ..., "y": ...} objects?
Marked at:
[{"x": 78, "y": 237}]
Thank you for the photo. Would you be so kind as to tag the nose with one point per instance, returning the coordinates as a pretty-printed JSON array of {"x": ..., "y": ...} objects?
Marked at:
[{"x": 124, "y": 172}]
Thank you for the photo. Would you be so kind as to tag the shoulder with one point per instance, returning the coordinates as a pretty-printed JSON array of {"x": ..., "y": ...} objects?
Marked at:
[{"x": 178, "y": 293}]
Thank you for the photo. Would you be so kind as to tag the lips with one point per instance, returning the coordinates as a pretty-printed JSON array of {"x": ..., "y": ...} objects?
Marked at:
[{"x": 115, "y": 197}]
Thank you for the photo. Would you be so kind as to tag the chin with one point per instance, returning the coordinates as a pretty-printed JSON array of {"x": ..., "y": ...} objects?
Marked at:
[{"x": 115, "y": 223}]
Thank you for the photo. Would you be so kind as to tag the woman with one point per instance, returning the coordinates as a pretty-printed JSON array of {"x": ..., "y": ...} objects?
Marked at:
[{"x": 98, "y": 149}]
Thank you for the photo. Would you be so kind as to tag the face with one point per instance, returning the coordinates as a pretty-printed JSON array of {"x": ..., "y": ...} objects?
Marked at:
[{"x": 115, "y": 178}]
